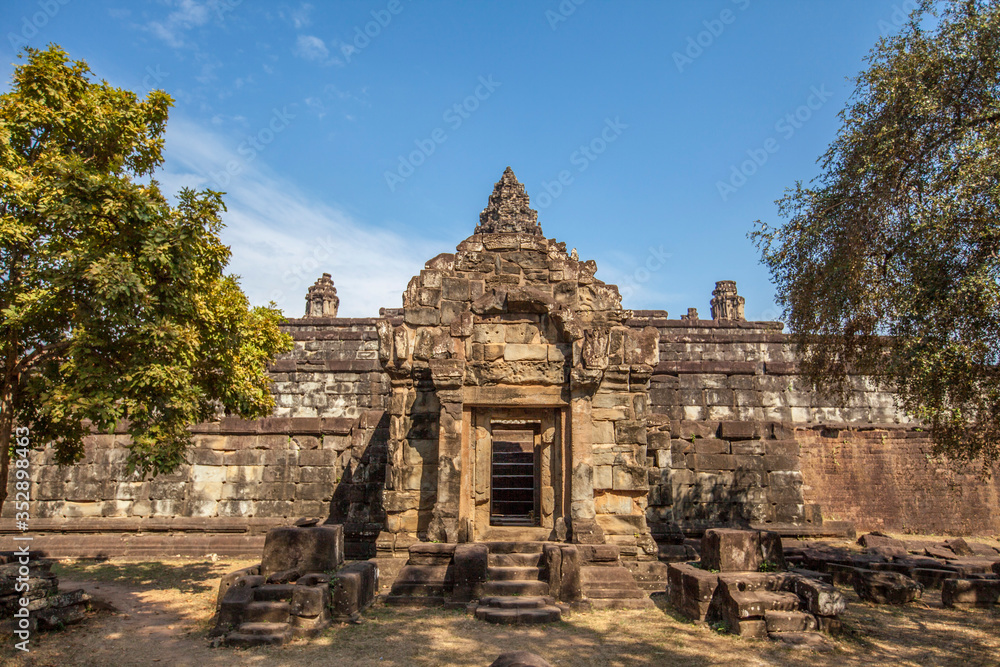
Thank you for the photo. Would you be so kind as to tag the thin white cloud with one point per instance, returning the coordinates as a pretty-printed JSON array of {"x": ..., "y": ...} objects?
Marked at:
[
  {"x": 283, "y": 240},
  {"x": 189, "y": 14},
  {"x": 300, "y": 17},
  {"x": 313, "y": 49}
]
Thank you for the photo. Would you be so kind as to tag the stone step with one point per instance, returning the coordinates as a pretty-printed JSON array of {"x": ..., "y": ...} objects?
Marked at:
[
  {"x": 605, "y": 592},
  {"x": 418, "y": 589},
  {"x": 273, "y": 592},
  {"x": 260, "y": 634},
  {"x": 514, "y": 560},
  {"x": 790, "y": 621},
  {"x": 424, "y": 574},
  {"x": 755, "y": 604},
  {"x": 504, "y": 588},
  {"x": 526, "y": 616},
  {"x": 603, "y": 576},
  {"x": 619, "y": 603},
  {"x": 497, "y": 573},
  {"x": 518, "y": 601},
  {"x": 266, "y": 612},
  {"x": 414, "y": 600},
  {"x": 515, "y": 547}
]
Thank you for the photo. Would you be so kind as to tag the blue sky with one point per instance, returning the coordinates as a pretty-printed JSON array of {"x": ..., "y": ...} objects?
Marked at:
[{"x": 363, "y": 138}]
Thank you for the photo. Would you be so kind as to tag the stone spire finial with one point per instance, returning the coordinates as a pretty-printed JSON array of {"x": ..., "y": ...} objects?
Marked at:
[
  {"x": 508, "y": 209},
  {"x": 322, "y": 299},
  {"x": 726, "y": 303}
]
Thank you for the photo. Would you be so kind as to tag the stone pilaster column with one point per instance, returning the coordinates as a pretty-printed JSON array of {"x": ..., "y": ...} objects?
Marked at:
[{"x": 448, "y": 375}]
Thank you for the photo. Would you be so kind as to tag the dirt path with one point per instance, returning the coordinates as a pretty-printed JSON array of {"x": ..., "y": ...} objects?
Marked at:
[{"x": 159, "y": 613}]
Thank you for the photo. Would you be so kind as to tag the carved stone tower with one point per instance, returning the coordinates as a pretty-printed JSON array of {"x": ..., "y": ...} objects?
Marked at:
[
  {"x": 508, "y": 209},
  {"x": 726, "y": 303},
  {"x": 322, "y": 299}
]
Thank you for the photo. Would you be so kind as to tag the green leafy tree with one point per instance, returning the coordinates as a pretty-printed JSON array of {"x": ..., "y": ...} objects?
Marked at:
[
  {"x": 115, "y": 308},
  {"x": 888, "y": 262}
]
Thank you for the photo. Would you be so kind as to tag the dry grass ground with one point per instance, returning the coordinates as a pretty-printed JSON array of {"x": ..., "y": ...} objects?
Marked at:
[{"x": 163, "y": 612}]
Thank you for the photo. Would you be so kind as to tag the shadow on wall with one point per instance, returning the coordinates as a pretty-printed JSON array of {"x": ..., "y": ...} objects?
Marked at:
[{"x": 357, "y": 497}]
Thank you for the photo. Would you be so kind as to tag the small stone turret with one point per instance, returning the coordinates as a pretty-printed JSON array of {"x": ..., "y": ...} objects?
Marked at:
[
  {"x": 322, "y": 299},
  {"x": 508, "y": 209},
  {"x": 726, "y": 303}
]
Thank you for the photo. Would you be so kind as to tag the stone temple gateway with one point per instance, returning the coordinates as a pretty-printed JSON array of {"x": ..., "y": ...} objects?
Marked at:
[
  {"x": 518, "y": 394},
  {"x": 513, "y": 399}
]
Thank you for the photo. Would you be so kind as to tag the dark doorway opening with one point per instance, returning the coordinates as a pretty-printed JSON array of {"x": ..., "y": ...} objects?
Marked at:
[{"x": 513, "y": 478}]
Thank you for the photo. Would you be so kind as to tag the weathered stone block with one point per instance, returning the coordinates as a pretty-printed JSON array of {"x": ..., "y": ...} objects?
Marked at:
[
  {"x": 522, "y": 352},
  {"x": 883, "y": 587},
  {"x": 306, "y": 549},
  {"x": 421, "y": 316},
  {"x": 975, "y": 592},
  {"x": 731, "y": 550}
]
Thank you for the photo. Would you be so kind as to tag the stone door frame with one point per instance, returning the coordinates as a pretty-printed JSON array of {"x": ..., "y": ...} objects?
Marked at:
[{"x": 552, "y": 480}]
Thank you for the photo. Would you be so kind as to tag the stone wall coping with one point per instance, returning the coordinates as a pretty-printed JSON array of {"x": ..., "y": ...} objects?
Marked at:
[
  {"x": 702, "y": 324},
  {"x": 148, "y": 525},
  {"x": 330, "y": 321},
  {"x": 659, "y": 419}
]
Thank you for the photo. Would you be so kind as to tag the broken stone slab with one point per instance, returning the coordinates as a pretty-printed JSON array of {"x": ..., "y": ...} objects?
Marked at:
[
  {"x": 883, "y": 545},
  {"x": 883, "y": 587},
  {"x": 790, "y": 621},
  {"x": 960, "y": 547},
  {"x": 939, "y": 551},
  {"x": 973, "y": 592},
  {"x": 968, "y": 567},
  {"x": 817, "y": 597}
]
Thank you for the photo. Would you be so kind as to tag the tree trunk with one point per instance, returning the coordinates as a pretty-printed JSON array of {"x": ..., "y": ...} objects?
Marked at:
[{"x": 6, "y": 429}]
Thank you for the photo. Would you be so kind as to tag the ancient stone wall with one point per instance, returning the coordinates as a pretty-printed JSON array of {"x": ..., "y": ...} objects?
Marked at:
[
  {"x": 887, "y": 479},
  {"x": 241, "y": 477},
  {"x": 726, "y": 399}
]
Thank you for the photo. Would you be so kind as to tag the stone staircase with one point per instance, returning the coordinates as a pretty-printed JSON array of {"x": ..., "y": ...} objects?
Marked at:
[
  {"x": 514, "y": 590},
  {"x": 272, "y": 614},
  {"x": 427, "y": 579},
  {"x": 520, "y": 582}
]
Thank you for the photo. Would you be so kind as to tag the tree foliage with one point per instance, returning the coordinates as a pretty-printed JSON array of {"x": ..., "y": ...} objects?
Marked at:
[
  {"x": 888, "y": 262},
  {"x": 115, "y": 308}
]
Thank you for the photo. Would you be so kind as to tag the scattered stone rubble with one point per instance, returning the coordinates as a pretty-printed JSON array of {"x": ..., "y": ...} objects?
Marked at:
[
  {"x": 891, "y": 571},
  {"x": 297, "y": 589},
  {"x": 48, "y": 608},
  {"x": 741, "y": 584}
]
